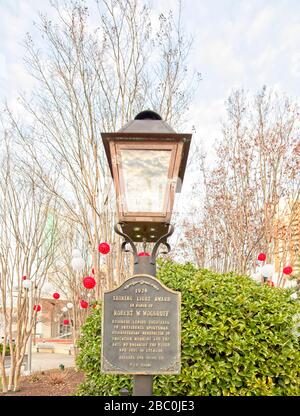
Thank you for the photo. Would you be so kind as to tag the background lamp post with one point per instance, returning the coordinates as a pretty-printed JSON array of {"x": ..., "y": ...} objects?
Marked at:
[
  {"x": 147, "y": 160},
  {"x": 27, "y": 284}
]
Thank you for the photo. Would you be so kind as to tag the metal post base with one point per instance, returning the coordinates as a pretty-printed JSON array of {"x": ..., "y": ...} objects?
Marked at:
[{"x": 142, "y": 385}]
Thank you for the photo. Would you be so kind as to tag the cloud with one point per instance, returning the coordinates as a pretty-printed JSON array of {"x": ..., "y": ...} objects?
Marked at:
[
  {"x": 3, "y": 66},
  {"x": 262, "y": 23},
  {"x": 295, "y": 64}
]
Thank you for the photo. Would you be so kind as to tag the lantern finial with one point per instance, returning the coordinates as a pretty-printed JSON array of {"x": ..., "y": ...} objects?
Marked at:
[{"x": 147, "y": 115}]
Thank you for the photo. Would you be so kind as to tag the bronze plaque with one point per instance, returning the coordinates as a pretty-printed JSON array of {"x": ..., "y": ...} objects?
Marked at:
[{"x": 141, "y": 328}]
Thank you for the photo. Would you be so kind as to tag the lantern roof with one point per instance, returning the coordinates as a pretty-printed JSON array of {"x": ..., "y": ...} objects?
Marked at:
[
  {"x": 149, "y": 126},
  {"x": 147, "y": 122}
]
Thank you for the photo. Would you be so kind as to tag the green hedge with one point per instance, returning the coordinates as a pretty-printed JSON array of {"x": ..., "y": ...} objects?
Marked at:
[
  {"x": 236, "y": 339},
  {"x": 7, "y": 349}
]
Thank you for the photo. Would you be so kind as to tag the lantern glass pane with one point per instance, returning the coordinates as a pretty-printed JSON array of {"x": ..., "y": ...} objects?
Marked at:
[{"x": 145, "y": 176}]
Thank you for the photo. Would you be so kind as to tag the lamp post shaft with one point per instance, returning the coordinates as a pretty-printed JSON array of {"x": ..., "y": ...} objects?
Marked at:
[
  {"x": 143, "y": 384},
  {"x": 143, "y": 265}
]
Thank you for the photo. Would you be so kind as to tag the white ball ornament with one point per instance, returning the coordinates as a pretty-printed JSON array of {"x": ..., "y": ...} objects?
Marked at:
[
  {"x": 26, "y": 284},
  {"x": 267, "y": 271},
  {"x": 294, "y": 296},
  {"x": 77, "y": 264},
  {"x": 76, "y": 252}
]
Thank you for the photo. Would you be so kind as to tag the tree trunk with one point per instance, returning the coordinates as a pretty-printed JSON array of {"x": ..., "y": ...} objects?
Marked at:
[{"x": 3, "y": 376}]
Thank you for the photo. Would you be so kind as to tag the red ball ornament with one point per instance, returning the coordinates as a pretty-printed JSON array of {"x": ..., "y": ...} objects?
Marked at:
[
  {"x": 24, "y": 277},
  {"x": 56, "y": 295},
  {"x": 261, "y": 257},
  {"x": 66, "y": 321},
  {"x": 104, "y": 248},
  {"x": 37, "y": 308},
  {"x": 143, "y": 253},
  {"x": 287, "y": 270},
  {"x": 89, "y": 282},
  {"x": 84, "y": 304}
]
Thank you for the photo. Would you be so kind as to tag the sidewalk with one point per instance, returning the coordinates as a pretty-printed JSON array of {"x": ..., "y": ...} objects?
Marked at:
[{"x": 47, "y": 361}]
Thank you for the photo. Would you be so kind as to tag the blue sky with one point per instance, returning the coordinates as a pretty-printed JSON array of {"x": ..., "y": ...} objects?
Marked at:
[{"x": 237, "y": 43}]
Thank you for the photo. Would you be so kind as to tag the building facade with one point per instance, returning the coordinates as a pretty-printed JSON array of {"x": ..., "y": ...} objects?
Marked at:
[{"x": 287, "y": 239}]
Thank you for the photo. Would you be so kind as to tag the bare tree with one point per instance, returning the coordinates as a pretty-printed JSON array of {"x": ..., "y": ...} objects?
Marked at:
[
  {"x": 257, "y": 167},
  {"x": 26, "y": 249},
  {"x": 88, "y": 81},
  {"x": 68, "y": 281}
]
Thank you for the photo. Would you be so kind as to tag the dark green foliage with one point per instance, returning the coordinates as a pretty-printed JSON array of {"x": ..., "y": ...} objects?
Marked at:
[
  {"x": 7, "y": 349},
  {"x": 236, "y": 339}
]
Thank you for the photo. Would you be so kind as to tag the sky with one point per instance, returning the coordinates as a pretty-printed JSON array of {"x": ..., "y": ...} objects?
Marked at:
[{"x": 236, "y": 43}]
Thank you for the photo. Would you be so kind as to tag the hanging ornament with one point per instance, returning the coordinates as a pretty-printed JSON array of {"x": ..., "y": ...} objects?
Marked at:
[
  {"x": 143, "y": 253},
  {"x": 84, "y": 304},
  {"x": 66, "y": 321},
  {"x": 76, "y": 253},
  {"x": 37, "y": 308},
  {"x": 287, "y": 270},
  {"x": 24, "y": 277},
  {"x": 104, "y": 248},
  {"x": 89, "y": 282},
  {"x": 64, "y": 309},
  {"x": 294, "y": 296},
  {"x": 261, "y": 257},
  {"x": 69, "y": 305},
  {"x": 93, "y": 270},
  {"x": 77, "y": 264},
  {"x": 267, "y": 271},
  {"x": 26, "y": 283},
  {"x": 56, "y": 295}
]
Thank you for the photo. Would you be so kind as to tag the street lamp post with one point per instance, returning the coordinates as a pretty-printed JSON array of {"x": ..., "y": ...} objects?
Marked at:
[
  {"x": 147, "y": 160},
  {"x": 27, "y": 284}
]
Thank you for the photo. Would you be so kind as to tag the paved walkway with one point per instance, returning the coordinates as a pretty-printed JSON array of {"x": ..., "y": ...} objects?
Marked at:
[{"x": 48, "y": 361}]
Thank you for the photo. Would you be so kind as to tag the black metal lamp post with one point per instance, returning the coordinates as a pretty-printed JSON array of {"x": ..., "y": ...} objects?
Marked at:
[{"x": 147, "y": 160}]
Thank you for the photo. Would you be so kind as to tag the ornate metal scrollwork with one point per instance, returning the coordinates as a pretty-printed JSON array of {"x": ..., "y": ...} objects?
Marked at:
[
  {"x": 155, "y": 250},
  {"x": 162, "y": 240},
  {"x": 127, "y": 240}
]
